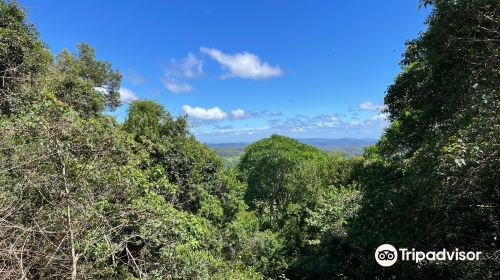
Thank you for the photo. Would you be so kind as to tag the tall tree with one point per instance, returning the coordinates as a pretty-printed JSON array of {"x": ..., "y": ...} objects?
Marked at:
[
  {"x": 273, "y": 169},
  {"x": 88, "y": 85},
  {"x": 433, "y": 180},
  {"x": 444, "y": 107},
  {"x": 23, "y": 58}
]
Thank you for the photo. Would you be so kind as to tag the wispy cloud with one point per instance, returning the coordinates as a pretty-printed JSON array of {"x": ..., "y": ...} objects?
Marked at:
[
  {"x": 379, "y": 117},
  {"x": 242, "y": 65},
  {"x": 127, "y": 95},
  {"x": 189, "y": 67},
  {"x": 268, "y": 113},
  {"x": 134, "y": 77},
  {"x": 329, "y": 126},
  {"x": 223, "y": 127},
  {"x": 177, "y": 87},
  {"x": 369, "y": 106}
]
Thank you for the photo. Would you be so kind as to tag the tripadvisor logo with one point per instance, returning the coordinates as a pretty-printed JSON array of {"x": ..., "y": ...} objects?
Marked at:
[{"x": 387, "y": 255}]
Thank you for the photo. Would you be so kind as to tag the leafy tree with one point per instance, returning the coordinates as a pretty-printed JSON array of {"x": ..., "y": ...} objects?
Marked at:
[
  {"x": 190, "y": 178},
  {"x": 23, "y": 57},
  {"x": 145, "y": 119},
  {"x": 82, "y": 196},
  {"x": 432, "y": 180},
  {"x": 315, "y": 227},
  {"x": 89, "y": 86},
  {"x": 445, "y": 108},
  {"x": 271, "y": 169},
  {"x": 58, "y": 176},
  {"x": 185, "y": 162}
]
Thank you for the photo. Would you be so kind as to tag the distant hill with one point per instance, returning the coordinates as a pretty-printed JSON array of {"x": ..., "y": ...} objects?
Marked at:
[
  {"x": 350, "y": 146},
  {"x": 227, "y": 145},
  {"x": 340, "y": 142}
]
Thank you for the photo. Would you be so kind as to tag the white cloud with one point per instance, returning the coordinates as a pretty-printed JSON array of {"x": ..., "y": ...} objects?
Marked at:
[
  {"x": 214, "y": 113},
  {"x": 238, "y": 113},
  {"x": 302, "y": 126},
  {"x": 189, "y": 67},
  {"x": 201, "y": 115},
  {"x": 127, "y": 96},
  {"x": 379, "y": 117},
  {"x": 134, "y": 77},
  {"x": 243, "y": 65},
  {"x": 177, "y": 87},
  {"x": 369, "y": 106},
  {"x": 268, "y": 113},
  {"x": 326, "y": 119}
]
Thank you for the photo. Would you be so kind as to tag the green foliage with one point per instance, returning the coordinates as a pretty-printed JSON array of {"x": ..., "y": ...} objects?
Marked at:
[
  {"x": 185, "y": 162},
  {"x": 23, "y": 58},
  {"x": 203, "y": 188},
  {"x": 261, "y": 250},
  {"x": 87, "y": 85},
  {"x": 432, "y": 180},
  {"x": 82, "y": 196},
  {"x": 272, "y": 169},
  {"x": 317, "y": 219},
  {"x": 315, "y": 196},
  {"x": 58, "y": 173},
  {"x": 149, "y": 119}
]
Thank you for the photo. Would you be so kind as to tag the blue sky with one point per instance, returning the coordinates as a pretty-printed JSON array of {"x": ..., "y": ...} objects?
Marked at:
[{"x": 242, "y": 70}]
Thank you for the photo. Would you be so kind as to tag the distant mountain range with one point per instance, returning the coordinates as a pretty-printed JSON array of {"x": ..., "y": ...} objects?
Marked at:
[
  {"x": 316, "y": 142},
  {"x": 340, "y": 142},
  {"x": 351, "y": 146},
  {"x": 227, "y": 145}
]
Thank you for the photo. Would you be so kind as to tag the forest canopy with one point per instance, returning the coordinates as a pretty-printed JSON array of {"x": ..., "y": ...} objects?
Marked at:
[{"x": 83, "y": 196}]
